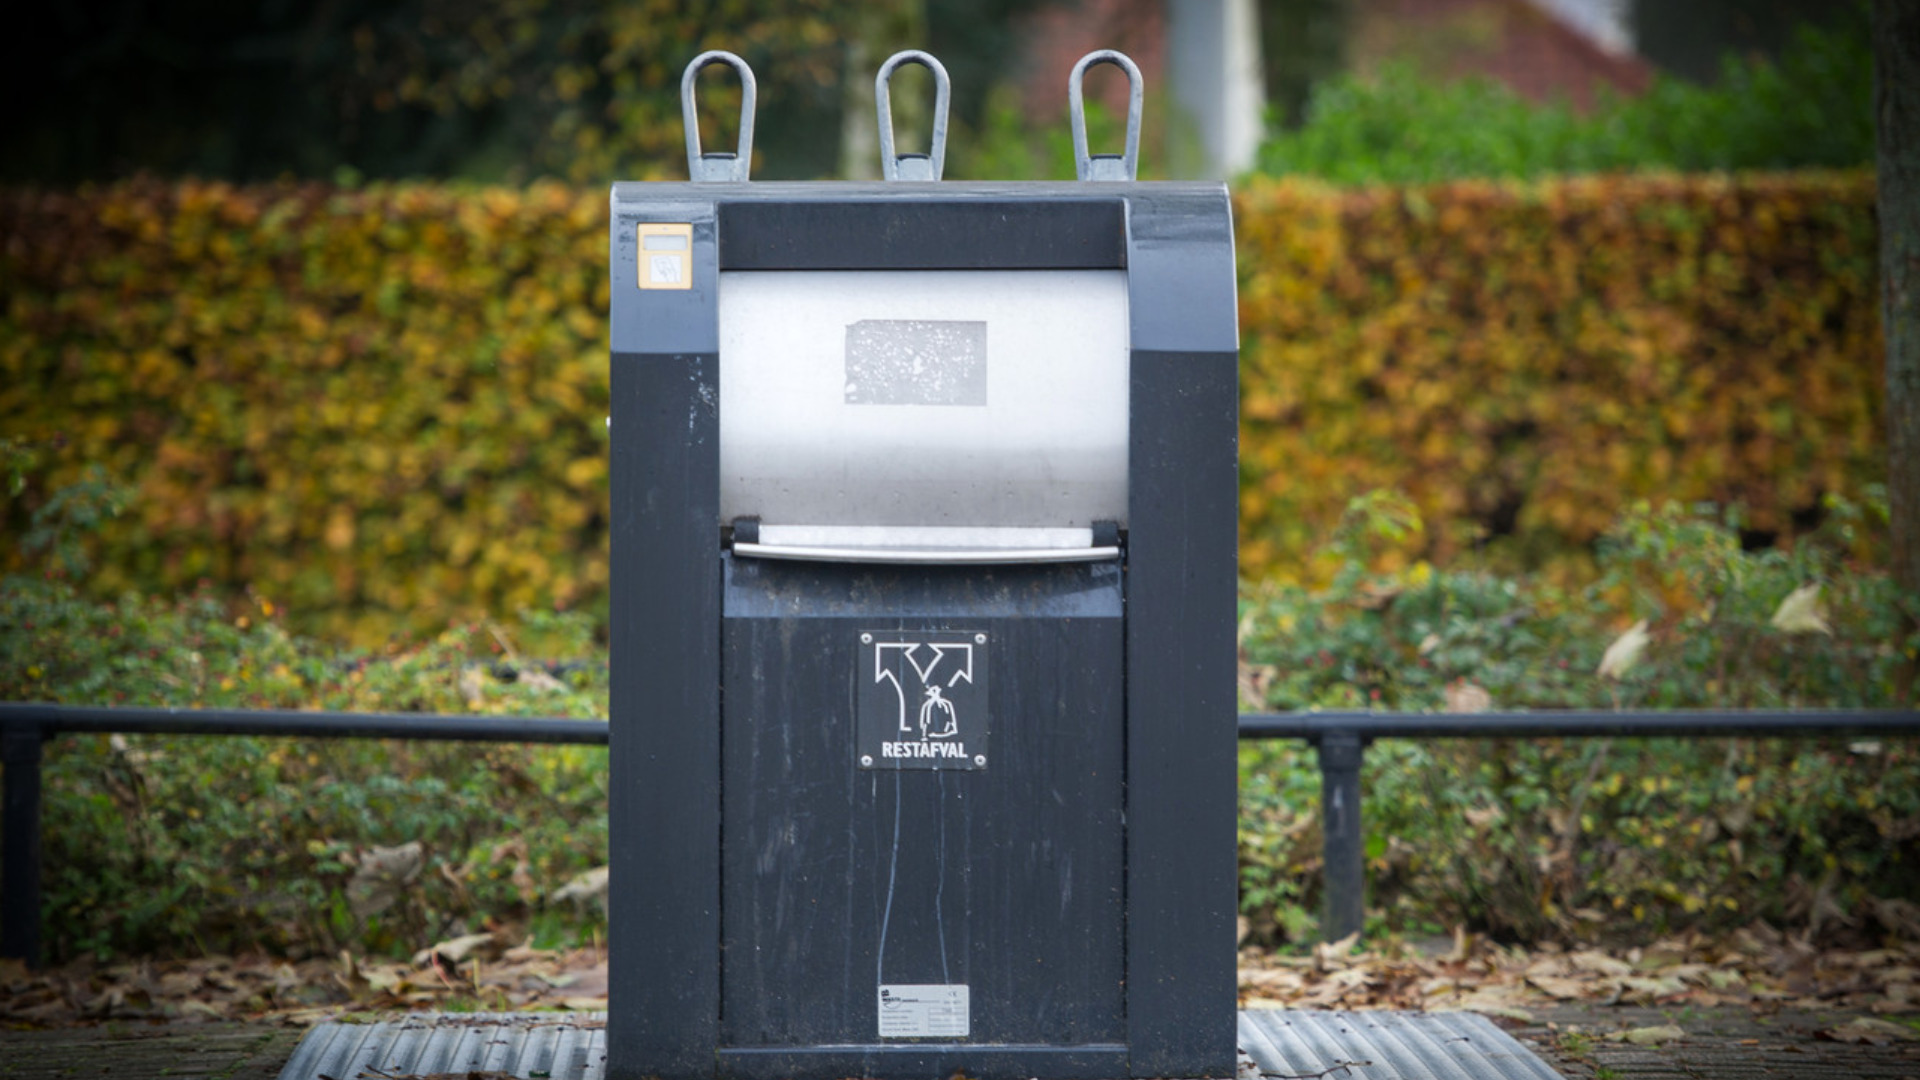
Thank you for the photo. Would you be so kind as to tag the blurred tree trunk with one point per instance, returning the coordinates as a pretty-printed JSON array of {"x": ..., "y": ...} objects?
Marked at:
[
  {"x": 1896, "y": 106},
  {"x": 1302, "y": 42},
  {"x": 879, "y": 30}
]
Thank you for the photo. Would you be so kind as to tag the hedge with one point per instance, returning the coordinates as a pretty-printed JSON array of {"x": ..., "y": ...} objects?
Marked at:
[
  {"x": 382, "y": 407},
  {"x": 1527, "y": 359}
]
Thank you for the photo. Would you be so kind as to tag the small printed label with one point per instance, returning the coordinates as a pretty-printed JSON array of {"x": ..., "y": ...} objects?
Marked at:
[
  {"x": 919, "y": 1012},
  {"x": 666, "y": 254}
]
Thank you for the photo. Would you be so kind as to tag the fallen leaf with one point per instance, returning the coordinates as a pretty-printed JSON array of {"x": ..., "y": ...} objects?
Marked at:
[
  {"x": 203, "y": 1009},
  {"x": 1466, "y": 697},
  {"x": 1649, "y": 1036},
  {"x": 1377, "y": 595},
  {"x": 585, "y": 888},
  {"x": 1624, "y": 652},
  {"x": 1488, "y": 1003},
  {"x": 1510, "y": 1012},
  {"x": 538, "y": 679},
  {"x": 1272, "y": 981},
  {"x": 1563, "y": 988},
  {"x": 1254, "y": 679},
  {"x": 1332, "y": 955},
  {"x": 383, "y": 875},
  {"x": 1644, "y": 991},
  {"x": 1902, "y": 917},
  {"x": 1722, "y": 979},
  {"x": 1599, "y": 963},
  {"x": 1697, "y": 974},
  {"x": 1800, "y": 613},
  {"x": 1481, "y": 817},
  {"x": 473, "y": 685},
  {"x": 1463, "y": 943},
  {"x": 454, "y": 951},
  {"x": 1867, "y": 1029}
]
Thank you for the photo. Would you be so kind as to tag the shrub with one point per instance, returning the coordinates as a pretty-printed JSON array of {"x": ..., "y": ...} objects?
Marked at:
[
  {"x": 1527, "y": 360},
  {"x": 1811, "y": 109},
  {"x": 382, "y": 408},
  {"x": 184, "y": 843},
  {"x": 1625, "y": 840},
  {"x": 164, "y": 844},
  {"x": 1581, "y": 838},
  {"x": 173, "y": 844}
]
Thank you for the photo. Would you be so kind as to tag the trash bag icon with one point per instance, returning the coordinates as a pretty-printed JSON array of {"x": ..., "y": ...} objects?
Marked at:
[{"x": 937, "y": 720}]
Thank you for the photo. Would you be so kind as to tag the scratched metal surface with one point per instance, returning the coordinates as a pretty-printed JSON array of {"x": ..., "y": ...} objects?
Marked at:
[
  {"x": 1007, "y": 879},
  {"x": 560, "y": 1046},
  {"x": 1382, "y": 1046}
]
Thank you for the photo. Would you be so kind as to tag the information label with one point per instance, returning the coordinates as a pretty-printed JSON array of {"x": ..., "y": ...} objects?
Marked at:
[
  {"x": 919, "y": 1012},
  {"x": 920, "y": 699}
]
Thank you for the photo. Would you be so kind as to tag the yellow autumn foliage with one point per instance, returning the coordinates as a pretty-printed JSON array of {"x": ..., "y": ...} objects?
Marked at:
[
  {"x": 1526, "y": 359},
  {"x": 383, "y": 408}
]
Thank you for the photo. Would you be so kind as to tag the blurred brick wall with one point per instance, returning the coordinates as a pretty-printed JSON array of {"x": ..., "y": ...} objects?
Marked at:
[
  {"x": 1510, "y": 41},
  {"x": 1058, "y": 35}
]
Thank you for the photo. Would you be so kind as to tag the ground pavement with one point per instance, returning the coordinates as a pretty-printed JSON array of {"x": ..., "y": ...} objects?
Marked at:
[
  {"x": 1720, "y": 1043},
  {"x": 1756, "y": 1004}
]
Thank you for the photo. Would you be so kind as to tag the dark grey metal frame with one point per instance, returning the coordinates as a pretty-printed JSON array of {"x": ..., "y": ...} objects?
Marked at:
[{"x": 1175, "y": 242}]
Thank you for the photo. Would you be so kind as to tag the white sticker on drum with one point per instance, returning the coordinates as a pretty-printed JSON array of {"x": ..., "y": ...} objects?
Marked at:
[
  {"x": 916, "y": 362},
  {"x": 920, "y": 1012}
]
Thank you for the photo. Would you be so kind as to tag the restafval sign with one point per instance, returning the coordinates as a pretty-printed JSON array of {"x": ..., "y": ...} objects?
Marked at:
[{"x": 921, "y": 700}]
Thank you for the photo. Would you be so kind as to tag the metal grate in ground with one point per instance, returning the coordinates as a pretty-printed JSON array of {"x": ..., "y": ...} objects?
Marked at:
[
  {"x": 562, "y": 1046},
  {"x": 1289, "y": 1044},
  {"x": 1274, "y": 1045}
]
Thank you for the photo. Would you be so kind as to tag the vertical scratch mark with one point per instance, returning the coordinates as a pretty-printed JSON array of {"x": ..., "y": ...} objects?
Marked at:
[
  {"x": 886, "y": 913},
  {"x": 940, "y": 883},
  {"x": 853, "y": 857}
]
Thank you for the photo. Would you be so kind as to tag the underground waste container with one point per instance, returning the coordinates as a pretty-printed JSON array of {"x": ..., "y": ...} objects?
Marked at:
[{"x": 922, "y": 622}]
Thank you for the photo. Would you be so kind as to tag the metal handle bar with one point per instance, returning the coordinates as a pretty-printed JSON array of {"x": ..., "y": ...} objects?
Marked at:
[
  {"x": 717, "y": 168},
  {"x": 1105, "y": 166},
  {"x": 926, "y": 544},
  {"x": 927, "y": 166},
  {"x": 927, "y": 556}
]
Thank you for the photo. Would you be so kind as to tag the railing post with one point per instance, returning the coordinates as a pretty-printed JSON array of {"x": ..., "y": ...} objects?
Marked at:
[
  {"x": 1343, "y": 843},
  {"x": 20, "y": 835}
]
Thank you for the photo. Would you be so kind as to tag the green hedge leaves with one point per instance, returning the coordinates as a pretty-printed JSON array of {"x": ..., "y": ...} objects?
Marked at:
[
  {"x": 1527, "y": 360},
  {"x": 382, "y": 408}
]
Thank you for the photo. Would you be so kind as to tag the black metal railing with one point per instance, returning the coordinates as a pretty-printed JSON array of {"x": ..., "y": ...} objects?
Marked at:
[
  {"x": 1340, "y": 737},
  {"x": 25, "y": 727}
]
